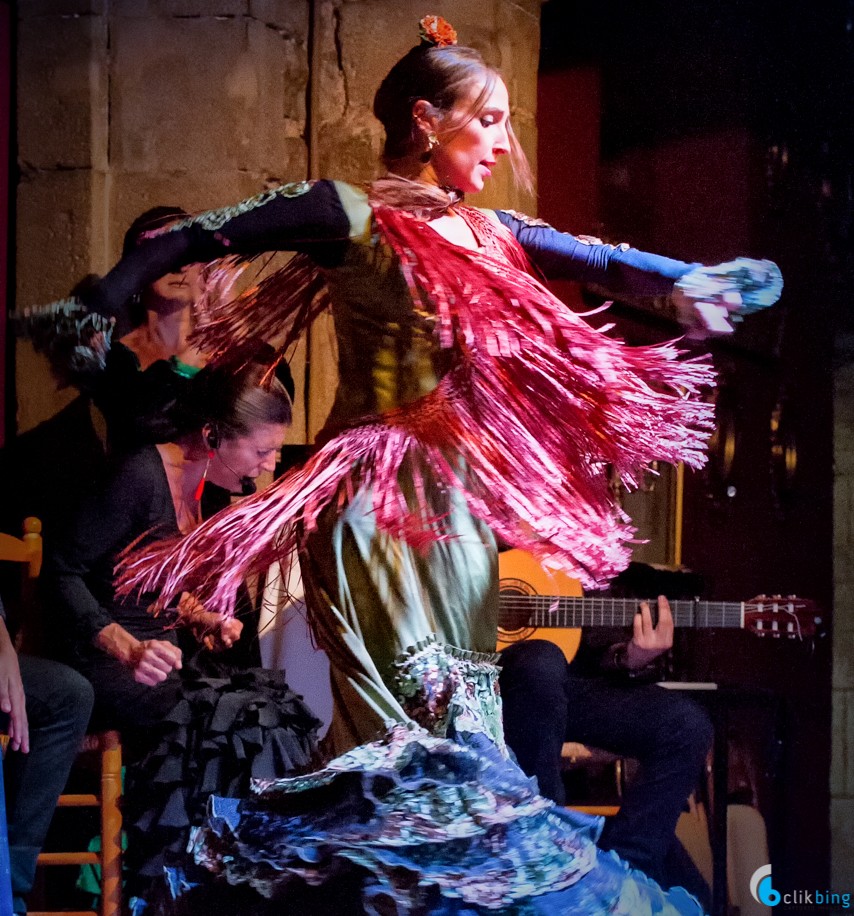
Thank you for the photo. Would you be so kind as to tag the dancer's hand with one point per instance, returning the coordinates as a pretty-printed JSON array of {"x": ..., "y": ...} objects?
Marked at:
[
  {"x": 709, "y": 301},
  {"x": 707, "y": 318}
]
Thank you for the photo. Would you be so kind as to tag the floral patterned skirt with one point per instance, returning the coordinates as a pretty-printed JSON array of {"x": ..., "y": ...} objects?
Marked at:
[{"x": 424, "y": 822}]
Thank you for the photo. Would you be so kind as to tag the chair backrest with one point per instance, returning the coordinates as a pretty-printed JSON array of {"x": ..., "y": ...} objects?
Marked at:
[{"x": 26, "y": 550}]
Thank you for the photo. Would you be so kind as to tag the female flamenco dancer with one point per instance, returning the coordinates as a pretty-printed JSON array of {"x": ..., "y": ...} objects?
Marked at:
[{"x": 472, "y": 404}]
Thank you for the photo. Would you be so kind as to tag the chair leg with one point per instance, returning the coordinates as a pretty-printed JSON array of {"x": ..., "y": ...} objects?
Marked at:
[{"x": 111, "y": 824}]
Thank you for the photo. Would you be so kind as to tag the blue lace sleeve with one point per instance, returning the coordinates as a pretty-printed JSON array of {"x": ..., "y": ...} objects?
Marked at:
[{"x": 620, "y": 270}]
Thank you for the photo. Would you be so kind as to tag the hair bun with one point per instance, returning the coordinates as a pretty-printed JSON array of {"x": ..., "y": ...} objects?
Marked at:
[{"x": 437, "y": 32}]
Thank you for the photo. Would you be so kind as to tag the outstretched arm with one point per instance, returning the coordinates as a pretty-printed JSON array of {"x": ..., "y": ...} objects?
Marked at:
[
  {"x": 705, "y": 299},
  {"x": 622, "y": 270},
  {"x": 300, "y": 217}
]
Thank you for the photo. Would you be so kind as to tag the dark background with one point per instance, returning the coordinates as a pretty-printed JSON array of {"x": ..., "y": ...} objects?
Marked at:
[{"x": 704, "y": 131}]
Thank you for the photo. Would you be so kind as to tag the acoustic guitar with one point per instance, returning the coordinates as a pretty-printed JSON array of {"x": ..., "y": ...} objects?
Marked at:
[{"x": 535, "y": 603}]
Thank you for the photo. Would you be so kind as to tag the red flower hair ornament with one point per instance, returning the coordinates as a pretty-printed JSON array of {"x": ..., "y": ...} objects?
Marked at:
[{"x": 436, "y": 31}]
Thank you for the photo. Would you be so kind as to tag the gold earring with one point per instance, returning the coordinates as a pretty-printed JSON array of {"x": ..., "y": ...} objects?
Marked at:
[{"x": 432, "y": 143}]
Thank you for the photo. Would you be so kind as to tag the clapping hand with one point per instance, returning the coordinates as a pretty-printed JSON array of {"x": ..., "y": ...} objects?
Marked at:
[
  {"x": 153, "y": 659},
  {"x": 214, "y": 631}
]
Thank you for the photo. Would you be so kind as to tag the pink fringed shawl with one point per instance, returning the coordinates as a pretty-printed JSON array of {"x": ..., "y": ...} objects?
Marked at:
[{"x": 535, "y": 409}]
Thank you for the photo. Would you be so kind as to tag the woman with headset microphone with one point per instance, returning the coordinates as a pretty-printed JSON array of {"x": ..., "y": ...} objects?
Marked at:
[{"x": 192, "y": 722}]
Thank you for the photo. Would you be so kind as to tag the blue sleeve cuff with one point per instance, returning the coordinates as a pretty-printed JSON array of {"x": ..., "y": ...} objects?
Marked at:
[{"x": 617, "y": 269}]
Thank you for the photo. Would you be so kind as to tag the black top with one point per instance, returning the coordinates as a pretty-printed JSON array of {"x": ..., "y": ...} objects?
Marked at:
[
  {"x": 139, "y": 405},
  {"x": 134, "y": 502},
  {"x": 46, "y": 470}
]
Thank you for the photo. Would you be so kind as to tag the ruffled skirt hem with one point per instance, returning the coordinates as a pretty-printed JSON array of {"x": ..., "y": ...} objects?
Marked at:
[
  {"x": 228, "y": 726},
  {"x": 420, "y": 825}
]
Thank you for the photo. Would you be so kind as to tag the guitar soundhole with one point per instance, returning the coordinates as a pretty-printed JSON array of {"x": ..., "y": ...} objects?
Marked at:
[{"x": 513, "y": 587}]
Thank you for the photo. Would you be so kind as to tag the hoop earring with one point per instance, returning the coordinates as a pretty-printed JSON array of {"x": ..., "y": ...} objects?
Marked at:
[{"x": 432, "y": 143}]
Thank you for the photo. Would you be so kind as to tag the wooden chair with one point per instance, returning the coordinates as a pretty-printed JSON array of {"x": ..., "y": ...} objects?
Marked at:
[
  {"x": 28, "y": 550},
  {"x": 574, "y": 754},
  {"x": 108, "y": 746}
]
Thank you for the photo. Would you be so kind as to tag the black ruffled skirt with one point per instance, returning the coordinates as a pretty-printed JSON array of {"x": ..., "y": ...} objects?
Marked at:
[{"x": 229, "y": 727}]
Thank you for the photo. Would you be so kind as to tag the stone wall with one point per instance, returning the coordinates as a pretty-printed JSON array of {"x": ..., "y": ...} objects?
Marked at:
[{"x": 125, "y": 104}]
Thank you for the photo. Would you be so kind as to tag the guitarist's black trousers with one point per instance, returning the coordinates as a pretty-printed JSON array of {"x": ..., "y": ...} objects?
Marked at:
[{"x": 546, "y": 704}]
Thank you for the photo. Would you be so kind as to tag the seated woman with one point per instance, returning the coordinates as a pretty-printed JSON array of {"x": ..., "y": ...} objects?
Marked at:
[
  {"x": 145, "y": 364},
  {"x": 192, "y": 725},
  {"x": 123, "y": 372}
]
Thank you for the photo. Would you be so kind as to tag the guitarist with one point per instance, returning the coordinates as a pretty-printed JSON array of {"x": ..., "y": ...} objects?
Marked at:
[{"x": 604, "y": 700}]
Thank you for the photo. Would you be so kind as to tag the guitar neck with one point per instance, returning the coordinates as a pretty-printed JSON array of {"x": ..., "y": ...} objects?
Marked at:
[{"x": 547, "y": 611}]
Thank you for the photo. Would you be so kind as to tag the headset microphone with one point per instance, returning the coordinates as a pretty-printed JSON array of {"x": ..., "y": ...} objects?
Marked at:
[{"x": 247, "y": 484}]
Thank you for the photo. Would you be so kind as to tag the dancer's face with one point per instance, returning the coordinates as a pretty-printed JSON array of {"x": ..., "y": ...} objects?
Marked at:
[
  {"x": 467, "y": 154},
  {"x": 246, "y": 456}
]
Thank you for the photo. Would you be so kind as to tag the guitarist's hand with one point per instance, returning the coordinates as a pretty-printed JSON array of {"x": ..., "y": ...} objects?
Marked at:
[{"x": 649, "y": 641}]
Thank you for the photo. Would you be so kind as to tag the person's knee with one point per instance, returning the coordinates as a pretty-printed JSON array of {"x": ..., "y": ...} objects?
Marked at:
[
  {"x": 83, "y": 693},
  {"x": 77, "y": 694},
  {"x": 689, "y": 728},
  {"x": 55, "y": 693},
  {"x": 699, "y": 730},
  {"x": 533, "y": 665}
]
